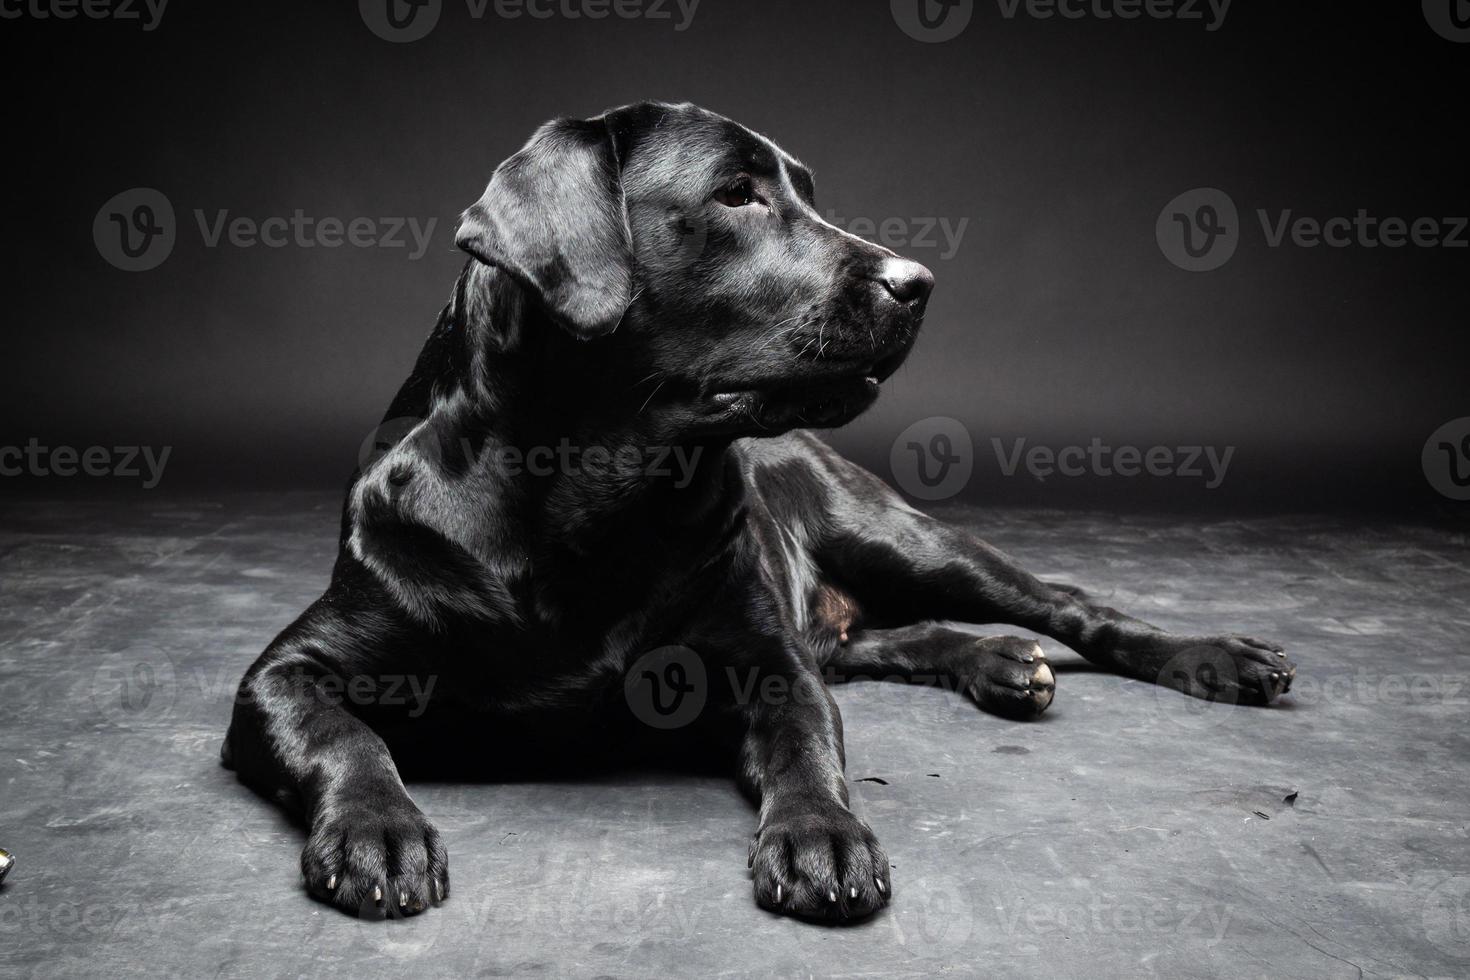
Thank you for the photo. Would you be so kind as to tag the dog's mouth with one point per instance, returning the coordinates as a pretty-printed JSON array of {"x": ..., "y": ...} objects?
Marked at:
[
  {"x": 799, "y": 389},
  {"x": 818, "y": 402},
  {"x": 805, "y": 393},
  {"x": 816, "y": 379}
]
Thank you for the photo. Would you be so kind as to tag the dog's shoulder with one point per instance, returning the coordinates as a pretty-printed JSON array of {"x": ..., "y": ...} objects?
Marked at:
[{"x": 438, "y": 544}]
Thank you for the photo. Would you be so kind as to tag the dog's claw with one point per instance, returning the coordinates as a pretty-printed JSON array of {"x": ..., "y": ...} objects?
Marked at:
[
  {"x": 332, "y": 883},
  {"x": 377, "y": 894},
  {"x": 778, "y": 894}
]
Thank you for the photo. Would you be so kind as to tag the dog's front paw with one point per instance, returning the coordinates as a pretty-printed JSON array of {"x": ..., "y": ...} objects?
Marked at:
[
  {"x": 1231, "y": 669},
  {"x": 376, "y": 860},
  {"x": 823, "y": 864}
]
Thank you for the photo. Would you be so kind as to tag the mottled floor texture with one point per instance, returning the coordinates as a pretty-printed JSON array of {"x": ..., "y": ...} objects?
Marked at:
[{"x": 1131, "y": 832}]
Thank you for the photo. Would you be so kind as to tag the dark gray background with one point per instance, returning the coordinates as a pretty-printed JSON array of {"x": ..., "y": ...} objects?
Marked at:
[{"x": 1060, "y": 141}]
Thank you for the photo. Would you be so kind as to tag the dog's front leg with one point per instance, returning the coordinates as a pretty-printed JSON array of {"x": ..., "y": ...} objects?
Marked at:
[
  {"x": 811, "y": 856},
  {"x": 370, "y": 851}
]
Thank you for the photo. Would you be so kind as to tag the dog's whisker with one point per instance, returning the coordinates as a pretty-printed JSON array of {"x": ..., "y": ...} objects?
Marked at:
[
  {"x": 656, "y": 390},
  {"x": 647, "y": 379}
]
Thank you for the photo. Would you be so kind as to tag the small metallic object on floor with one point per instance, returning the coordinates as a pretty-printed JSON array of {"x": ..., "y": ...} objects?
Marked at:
[{"x": 7, "y": 861}]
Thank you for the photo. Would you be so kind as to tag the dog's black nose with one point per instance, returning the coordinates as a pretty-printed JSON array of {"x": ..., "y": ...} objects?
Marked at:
[{"x": 907, "y": 282}]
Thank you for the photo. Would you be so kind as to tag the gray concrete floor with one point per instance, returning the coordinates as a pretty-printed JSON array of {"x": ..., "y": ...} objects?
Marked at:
[{"x": 1131, "y": 832}]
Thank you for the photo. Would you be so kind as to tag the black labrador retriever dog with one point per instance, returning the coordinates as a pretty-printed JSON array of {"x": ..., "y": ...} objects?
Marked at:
[{"x": 605, "y": 463}]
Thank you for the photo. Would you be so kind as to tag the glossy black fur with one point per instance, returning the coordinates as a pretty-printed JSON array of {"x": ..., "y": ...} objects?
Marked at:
[{"x": 652, "y": 281}]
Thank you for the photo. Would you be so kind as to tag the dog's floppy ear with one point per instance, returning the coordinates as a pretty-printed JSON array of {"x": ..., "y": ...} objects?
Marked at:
[{"x": 553, "y": 218}]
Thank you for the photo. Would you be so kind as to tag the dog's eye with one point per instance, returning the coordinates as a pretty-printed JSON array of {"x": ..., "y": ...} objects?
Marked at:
[{"x": 738, "y": 194}]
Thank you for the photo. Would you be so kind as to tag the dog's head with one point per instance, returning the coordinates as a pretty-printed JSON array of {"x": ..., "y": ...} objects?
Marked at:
[{"x": 687, "y": 251}]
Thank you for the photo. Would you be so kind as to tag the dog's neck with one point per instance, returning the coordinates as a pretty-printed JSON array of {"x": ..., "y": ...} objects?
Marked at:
[{"x": 576, "y": 440}]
